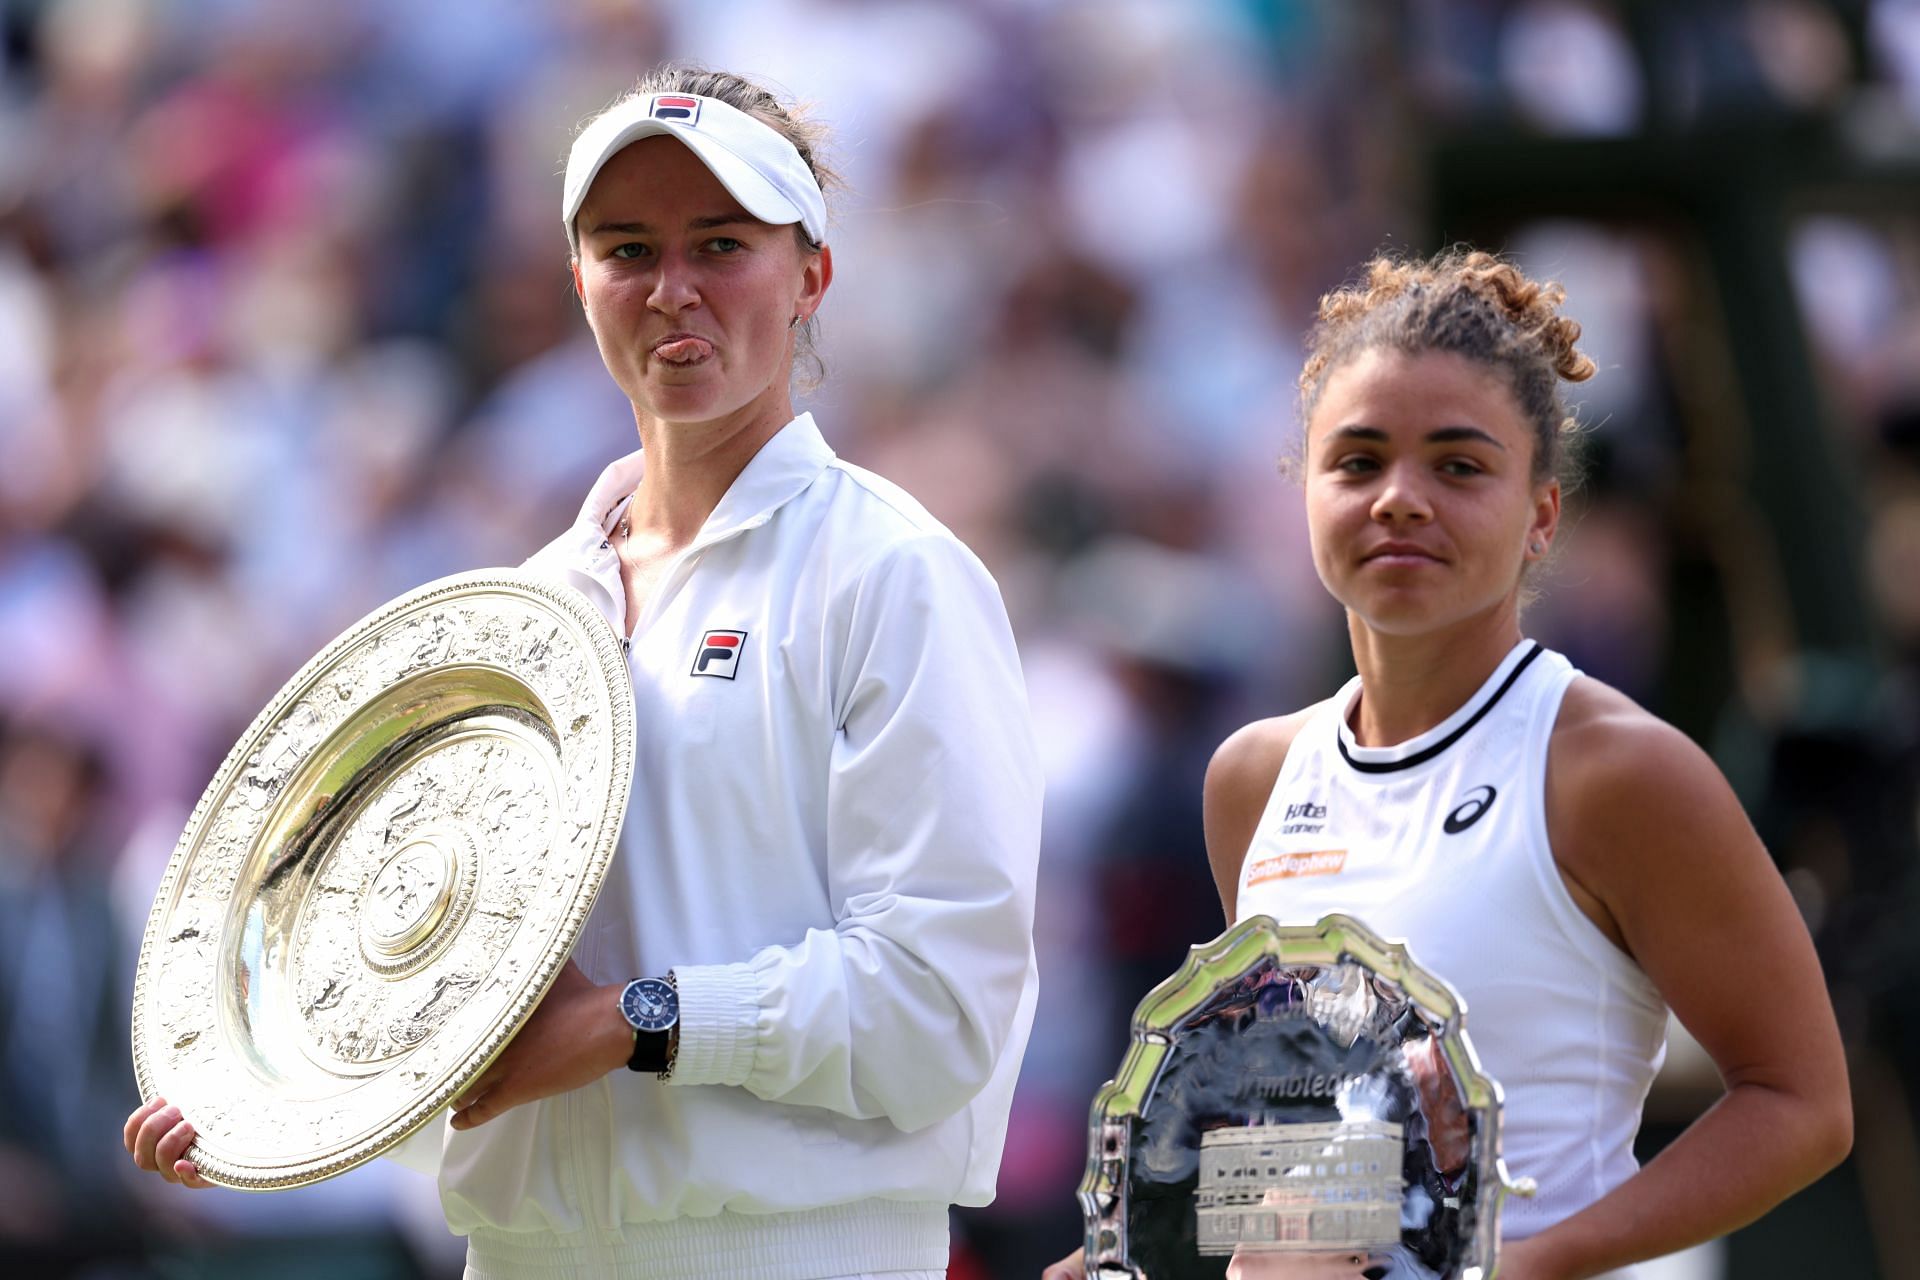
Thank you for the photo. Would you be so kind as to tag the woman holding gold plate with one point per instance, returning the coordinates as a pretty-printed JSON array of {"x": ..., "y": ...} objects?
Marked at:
[{"x": 786, "y": 1039}]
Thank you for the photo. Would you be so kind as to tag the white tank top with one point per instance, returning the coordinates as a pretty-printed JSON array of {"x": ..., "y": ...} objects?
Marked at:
[{"x": 1442, "y": 841}]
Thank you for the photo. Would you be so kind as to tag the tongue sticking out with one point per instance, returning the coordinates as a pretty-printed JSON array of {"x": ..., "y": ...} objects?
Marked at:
[{"x": 684, "y": 350}]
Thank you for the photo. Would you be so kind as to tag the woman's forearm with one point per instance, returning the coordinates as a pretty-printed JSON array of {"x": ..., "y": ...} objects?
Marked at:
[{"x": 1751, "y": 1150}]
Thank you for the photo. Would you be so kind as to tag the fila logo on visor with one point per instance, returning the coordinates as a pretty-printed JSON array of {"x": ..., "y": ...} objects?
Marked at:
[
  {"x": 667, "y": 106},
  {"x": 719, "y": 654}
]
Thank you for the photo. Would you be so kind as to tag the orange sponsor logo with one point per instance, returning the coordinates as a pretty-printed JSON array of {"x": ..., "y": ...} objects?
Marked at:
[{"x": 1284, "y": 866}]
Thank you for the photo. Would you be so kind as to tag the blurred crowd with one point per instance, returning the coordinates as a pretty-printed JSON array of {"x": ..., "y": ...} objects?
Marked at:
[{"x": 286, "y": 330}]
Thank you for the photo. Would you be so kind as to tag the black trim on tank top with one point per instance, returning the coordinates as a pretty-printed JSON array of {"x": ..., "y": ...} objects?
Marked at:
[{"x": 1428, "y": 753}]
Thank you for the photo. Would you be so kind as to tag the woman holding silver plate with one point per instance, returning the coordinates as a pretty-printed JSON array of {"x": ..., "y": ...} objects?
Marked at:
[
  {"x": 1573, "y": 866},
  {"x": 814, "y": 947}
]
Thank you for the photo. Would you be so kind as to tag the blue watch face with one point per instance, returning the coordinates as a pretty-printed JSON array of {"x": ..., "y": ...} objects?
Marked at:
[{"x": 650, "y": 1004}]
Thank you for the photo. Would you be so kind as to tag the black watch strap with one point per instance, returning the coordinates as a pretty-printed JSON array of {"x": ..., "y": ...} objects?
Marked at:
[
  {"x": 651, "y": 1052},
  {"x": 654, "y": 1050}
]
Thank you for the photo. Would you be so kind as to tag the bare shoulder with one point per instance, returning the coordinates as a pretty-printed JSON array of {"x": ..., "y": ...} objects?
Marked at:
[
  {"x": 1240, "y": 778},
  {"x": 1607, "y": 750},
  {"x": 1245, "y": 766},
  {"x": 1635, "y": 809}
]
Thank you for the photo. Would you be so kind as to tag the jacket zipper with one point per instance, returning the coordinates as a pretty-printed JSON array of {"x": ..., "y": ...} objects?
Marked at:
[{"x": 675, "y": 576}]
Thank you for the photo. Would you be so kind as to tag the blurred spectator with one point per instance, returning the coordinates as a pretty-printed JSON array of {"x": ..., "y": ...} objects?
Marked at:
[
  {"x": 1570, "y": 69},
  {"x": 63, "y": 998}
]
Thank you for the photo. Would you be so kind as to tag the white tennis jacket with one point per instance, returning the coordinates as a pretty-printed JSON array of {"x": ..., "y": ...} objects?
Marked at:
[{"x": 832, "y": 842}]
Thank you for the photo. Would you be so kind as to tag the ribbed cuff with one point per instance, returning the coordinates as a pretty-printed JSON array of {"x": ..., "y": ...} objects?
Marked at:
[{"x": 719, "y": 1024}]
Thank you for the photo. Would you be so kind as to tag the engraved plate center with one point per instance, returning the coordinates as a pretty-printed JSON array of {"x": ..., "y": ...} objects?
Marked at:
[
  {"x": 409, "y": 897},
  {"x": 1299, "y": 1187}
]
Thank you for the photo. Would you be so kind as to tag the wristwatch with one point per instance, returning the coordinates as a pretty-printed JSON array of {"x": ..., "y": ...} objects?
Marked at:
[{"x": 651, "y": 1007}]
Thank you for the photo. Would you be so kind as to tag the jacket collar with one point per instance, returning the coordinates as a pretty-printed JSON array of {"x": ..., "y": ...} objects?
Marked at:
[
  {"x": 786, "y": 464},
  {"x": 783, "y": 469}
]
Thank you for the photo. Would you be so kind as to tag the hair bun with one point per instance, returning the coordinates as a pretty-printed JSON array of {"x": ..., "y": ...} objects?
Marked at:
[{"x": 1468, "y": 303}]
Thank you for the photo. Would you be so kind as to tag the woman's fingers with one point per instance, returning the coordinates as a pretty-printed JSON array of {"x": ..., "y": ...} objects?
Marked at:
[
  {"x": 1071, "y": 1267},
  {"x": 173, "y": 1146},
  {"x": 481, "y": 1087},
  {"x": 171, "y": 1149},
  {"x": 476, "y": 1109},
  {"x": 162, "y": 1142},
  {"x": 158, "y": 1137},
  {"x": 140, "y": 1116},
  {"x": 146, "y": 1139}
]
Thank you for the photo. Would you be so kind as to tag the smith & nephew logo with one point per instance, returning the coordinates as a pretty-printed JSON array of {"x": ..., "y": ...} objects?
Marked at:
[
  {"x": 719, "y": 654},
  {"x": 1285, "y": 866}
]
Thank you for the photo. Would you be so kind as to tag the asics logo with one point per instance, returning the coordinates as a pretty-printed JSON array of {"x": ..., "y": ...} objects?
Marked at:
[{"x": 1469, "y": 811}]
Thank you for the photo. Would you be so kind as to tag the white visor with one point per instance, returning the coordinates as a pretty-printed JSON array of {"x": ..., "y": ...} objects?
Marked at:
[{"x": 757, "y": 166}]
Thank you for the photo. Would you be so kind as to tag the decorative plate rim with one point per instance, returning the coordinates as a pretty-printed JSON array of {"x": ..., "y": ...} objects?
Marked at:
[
  {"x": 1335, "y": 938},
  {"x": 608, "y": 662}
]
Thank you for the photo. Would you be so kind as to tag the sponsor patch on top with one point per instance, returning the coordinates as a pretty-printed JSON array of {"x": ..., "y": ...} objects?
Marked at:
[
  {"x": 675, "y": 107},
  {"x": 1285, "y": 866}
]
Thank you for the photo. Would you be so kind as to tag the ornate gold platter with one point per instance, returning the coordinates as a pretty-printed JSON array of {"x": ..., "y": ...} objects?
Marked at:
[{"x": 385, "y": 876}]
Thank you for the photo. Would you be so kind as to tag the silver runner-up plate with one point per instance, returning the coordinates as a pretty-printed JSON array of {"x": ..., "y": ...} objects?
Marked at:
[
  {"x": 1297, "y": 1101},
  {"x": 385, "y": 876}
]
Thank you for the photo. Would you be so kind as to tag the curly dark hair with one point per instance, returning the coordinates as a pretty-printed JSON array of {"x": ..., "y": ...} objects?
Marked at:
[{"x": 1468, "y": 303}]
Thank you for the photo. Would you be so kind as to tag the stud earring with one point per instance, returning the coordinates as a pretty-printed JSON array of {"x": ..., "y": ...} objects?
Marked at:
[{"x": 791, "y": 323}]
